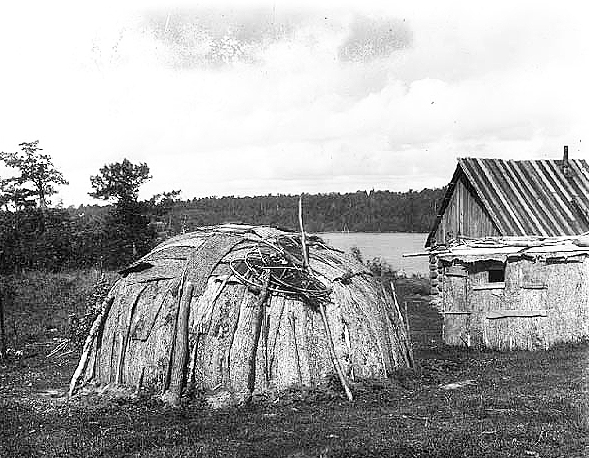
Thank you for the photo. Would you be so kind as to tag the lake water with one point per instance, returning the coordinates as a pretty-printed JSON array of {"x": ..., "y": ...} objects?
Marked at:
[{"x": 389, "y": 246}]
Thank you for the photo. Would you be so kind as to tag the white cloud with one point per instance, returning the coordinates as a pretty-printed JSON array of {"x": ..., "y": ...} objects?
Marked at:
[{"x": 292, "y": 113}]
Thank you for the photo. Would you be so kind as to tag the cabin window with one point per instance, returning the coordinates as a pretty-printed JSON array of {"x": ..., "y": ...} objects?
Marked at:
[
  {"x": 497, "y": 274},
  {"x": 488, "y": 275}
]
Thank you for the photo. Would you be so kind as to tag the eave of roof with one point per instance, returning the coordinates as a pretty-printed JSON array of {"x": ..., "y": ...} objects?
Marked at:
[{"x": 502, "y": 248}]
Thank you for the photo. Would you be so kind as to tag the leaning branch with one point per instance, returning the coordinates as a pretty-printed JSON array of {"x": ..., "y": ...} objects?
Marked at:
[
  {"x": 336, "y": 364},
  {"x": 303, "y": 238},
  {"x": 92, "y": 335}
]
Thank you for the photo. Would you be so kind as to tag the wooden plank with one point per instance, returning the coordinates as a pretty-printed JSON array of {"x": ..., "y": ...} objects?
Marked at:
[
  {"x": 497, "y": 314},
  {"x": 413, "y": 255},
  {"x": 456, "y": 311},
  {"x": 534, "y": 286},
  {"x": 485, "y": 286},
  {"x": 456, "y": 271}
]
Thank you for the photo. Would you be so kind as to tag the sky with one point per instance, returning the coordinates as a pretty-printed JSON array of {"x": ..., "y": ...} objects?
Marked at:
[{"x": 250, "y": 98}]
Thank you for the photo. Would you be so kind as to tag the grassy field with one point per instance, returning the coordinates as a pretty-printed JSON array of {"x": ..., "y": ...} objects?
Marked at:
[{"x": 519, "y": 404}]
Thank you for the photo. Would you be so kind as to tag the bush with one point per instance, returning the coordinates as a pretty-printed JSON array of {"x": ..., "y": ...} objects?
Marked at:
[
  {"x": 381, "y": 268},
  {"x": 405, "y": 287},
  {"x": 357, "y": 254},
  {"x": 80, "y": 323},
  {"x": 42, "y": 305}
]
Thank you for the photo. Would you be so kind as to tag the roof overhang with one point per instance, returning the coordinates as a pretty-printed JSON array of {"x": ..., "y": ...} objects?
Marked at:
[{"x": 503, "y": 249}]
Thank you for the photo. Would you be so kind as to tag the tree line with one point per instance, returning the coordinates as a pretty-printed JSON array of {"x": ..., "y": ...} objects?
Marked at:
[
  {"x": 361, "y": 211},
  {"x": 36, "y": 235}
]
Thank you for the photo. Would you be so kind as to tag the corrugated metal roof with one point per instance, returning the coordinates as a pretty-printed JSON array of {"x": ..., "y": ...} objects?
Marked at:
[{"x": 528, "y": 197}]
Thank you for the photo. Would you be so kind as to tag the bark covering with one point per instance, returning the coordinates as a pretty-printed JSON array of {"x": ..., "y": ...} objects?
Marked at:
[{"x": 197, "y": 320}]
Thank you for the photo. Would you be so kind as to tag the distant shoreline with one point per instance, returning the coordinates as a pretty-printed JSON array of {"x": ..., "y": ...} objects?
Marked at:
[{"x": 389, "y": 246}]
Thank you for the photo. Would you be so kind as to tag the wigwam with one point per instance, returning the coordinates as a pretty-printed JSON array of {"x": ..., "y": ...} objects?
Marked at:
[{"x": 234, "y": 307}]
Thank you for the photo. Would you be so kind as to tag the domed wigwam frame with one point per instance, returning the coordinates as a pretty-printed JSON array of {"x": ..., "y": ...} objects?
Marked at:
[{"x": 234, "y": 307}]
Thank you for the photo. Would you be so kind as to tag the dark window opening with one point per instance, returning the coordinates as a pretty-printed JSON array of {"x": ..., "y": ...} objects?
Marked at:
[{"x": 497, "y": 275}]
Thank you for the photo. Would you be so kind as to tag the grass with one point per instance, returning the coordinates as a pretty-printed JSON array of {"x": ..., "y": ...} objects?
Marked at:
[
  {"x": 42, "y": 305},
  {"x": 521, "y": 404}
]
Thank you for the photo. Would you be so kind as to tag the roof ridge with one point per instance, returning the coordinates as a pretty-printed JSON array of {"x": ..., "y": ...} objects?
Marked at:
[{"x": 470, "y": 158}]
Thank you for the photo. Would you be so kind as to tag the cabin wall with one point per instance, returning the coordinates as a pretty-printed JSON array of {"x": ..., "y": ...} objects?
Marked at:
[
  {"x": 567, "y": 301},
  {"x": 467, "y": 296},
  {"x": 524, "y": 295},
  {"x": 540, "y": 304},
  {"x": 464, "y": 216}
]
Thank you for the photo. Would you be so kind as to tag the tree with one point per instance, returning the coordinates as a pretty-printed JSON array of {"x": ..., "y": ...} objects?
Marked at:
[
  {"x": 36, "y": 170},
  {"x": 13, "y": 195},
  {"x": 126, "y": 231},
  {"x": 161, "y": 208},
  {"x": 164, "y": 202},
  {"x": 120, "y": 181}
]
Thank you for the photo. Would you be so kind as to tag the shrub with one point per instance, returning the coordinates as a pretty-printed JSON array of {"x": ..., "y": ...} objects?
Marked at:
[
  {"x": 80, "y": 324},
  {"x": 357, "y": 254}
]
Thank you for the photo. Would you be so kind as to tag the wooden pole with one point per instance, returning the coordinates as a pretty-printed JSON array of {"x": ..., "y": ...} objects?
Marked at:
[
  {"x": 407, "y": 320},
  {"x": 192, "y": 364},
  {"x": 349, "y": 348},
  {"x": 265, "y": 333},
  {"x": 178, "y": 369},
  {"x": 291, "y": 320},
  {"x": 303, "y": 238},
  {"x": 278, "y": 321},
  {"x": 94, "y": 331},
  {"x": 168, "y": 374},
  {"x": 408, "y": 329},
  {"x": 251, "y": 378},
  {"x": 335, "y": 361},
  {"x": 402, "y": 326}
]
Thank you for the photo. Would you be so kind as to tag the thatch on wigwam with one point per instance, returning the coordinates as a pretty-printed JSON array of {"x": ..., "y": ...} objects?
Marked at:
[{"x": 232, "y": 307}]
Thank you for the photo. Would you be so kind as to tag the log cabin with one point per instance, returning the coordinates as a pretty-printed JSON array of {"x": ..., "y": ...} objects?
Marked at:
[
  {"x": 503, "y": 283},
  {"x": 498, "y": 198},
  {"x": 515, "y": 293}
]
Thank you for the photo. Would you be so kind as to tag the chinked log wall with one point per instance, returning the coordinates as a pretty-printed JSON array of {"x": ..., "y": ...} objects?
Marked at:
[{"x": 464, "y": 216}]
